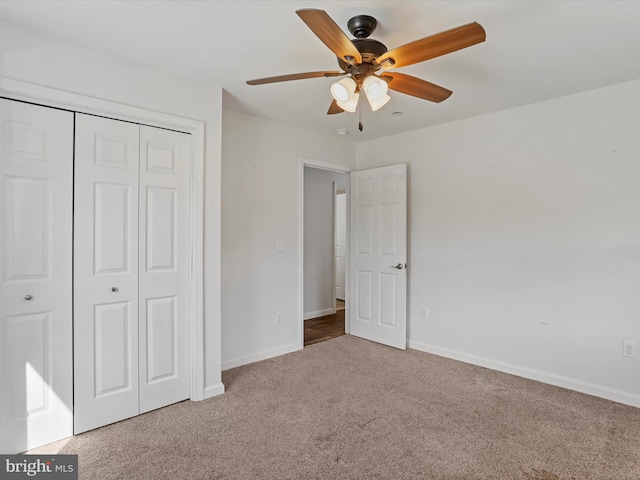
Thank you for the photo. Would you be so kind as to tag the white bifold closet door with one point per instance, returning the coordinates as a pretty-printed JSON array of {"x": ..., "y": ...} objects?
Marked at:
[
  {"x": 131, "y": 271},
  {"x": 36, "y": 174}
]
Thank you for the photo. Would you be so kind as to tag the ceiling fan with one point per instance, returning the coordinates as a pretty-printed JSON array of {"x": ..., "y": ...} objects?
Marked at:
[{"x": 362, "y": 58}]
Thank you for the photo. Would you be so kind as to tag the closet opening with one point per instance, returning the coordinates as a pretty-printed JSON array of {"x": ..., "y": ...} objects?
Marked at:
[{"x": 39, "y": 216}]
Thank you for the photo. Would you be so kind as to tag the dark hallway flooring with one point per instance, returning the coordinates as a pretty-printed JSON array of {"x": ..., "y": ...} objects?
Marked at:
[{"x": 324, "y": 328}]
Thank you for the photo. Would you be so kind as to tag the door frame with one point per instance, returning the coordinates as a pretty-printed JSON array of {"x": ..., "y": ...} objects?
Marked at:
[
  {"x": 333, "y": 167},
  {"x": 49, "y": 97},
  {"x": 338, "y": 186}
]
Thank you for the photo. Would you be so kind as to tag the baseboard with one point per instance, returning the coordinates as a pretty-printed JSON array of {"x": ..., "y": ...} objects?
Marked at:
[
  {"x": 319, "y": 313},
  {"x": 214, "y": 390},
  {"x": 558, "y": 381},
  {"x": 276, "y": 352}
]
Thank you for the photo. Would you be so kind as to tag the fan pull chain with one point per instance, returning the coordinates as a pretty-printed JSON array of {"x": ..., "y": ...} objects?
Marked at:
[{"x": 360, "y": 119}]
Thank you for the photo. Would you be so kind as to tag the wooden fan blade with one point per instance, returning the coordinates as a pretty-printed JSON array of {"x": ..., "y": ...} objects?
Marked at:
[
  {"x": 293, "y": 76},
  {"x": 331, "y": 35},
  {"x": 414, "y": 86},
  {"x": 433, "y": 46},
  {"x": 334, "y": 108}
]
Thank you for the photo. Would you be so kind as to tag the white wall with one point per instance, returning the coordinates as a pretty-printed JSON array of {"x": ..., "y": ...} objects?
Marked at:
[
  {"x": 31, "y": 57},
  {"x": 525, "y": 238},
  {"x": 261, "y": 202},
  {"x": 319, "y": 240}
]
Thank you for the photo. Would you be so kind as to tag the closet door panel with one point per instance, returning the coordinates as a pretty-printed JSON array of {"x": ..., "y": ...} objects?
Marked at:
[
  {"x": 112, "y": 209},
  {"x": 36, "y": 175},
  {"x": 105, "y": 271},
  {"x": 164, "y": 267}
]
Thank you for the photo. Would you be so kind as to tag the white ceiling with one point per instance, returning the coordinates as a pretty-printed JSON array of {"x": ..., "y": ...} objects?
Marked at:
[{"x": 535, "y": 50}]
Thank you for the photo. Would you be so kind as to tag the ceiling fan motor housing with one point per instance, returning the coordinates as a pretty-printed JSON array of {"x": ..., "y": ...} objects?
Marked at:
[
  {"x": 361, "y": 26},
  {"x": 369, "y": 50}
]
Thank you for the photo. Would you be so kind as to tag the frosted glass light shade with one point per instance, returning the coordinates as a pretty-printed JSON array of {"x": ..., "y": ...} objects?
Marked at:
[
  {"x": 339, "y": 92},
  {"x": 374, "y": 87},
  {"x": 378, "y": 103},
  {"x": 350, "y": 105},
  {"x": 344, "y": 94},
  {"x": 343, "y": 89},
  {"x": 376, "y": 91}
]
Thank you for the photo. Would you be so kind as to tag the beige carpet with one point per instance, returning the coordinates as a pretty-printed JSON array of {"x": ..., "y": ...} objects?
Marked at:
[{"x": 351, "y": 409}]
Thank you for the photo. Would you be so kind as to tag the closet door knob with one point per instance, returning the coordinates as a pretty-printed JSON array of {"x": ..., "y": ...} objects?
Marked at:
[
  {"x": 114, "y": 289},
  {"x": 28, "y": 297}
]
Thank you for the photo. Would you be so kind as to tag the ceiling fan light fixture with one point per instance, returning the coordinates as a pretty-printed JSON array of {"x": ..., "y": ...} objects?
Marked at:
[
  {"x": 343, "y": 89},
  {"x": 339, "y": 93},
  {"x": 378, "y": 103},
  {"x": 374, "y": 87},
  {"x": 376, "y": 91},
  {"x": 351, "y": 104},
  {"x": 344, "y": 93}
]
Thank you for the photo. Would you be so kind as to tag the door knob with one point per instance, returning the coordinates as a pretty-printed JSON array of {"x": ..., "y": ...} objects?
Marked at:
[
  {"x": 28, "y": 297},
  {"x": 399, "y": 266}
]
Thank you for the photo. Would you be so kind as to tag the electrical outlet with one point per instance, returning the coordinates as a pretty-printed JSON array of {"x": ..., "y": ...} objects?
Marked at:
[
  {"x": 629, "y": 349},
  {"x": 281, "y": 246},
  {"x": 424, "y": 313},
  {"x": 279, "y": 318}
]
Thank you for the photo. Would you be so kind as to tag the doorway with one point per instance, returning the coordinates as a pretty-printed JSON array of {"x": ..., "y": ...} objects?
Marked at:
[
  {"x": 325, "y": 250},
  {"x": 377, "y": 238}
]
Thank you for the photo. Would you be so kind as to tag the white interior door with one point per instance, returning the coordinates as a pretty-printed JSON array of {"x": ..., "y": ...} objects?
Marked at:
[
  {"x": 131, "y": 270},
  {"x": 341, "y": 245},
  {"x": 164, "y": 267},
  {"x": 105, "y": 271},
  {"x": 378, "y": 258},
  {"x": 36, "y": 170}
]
